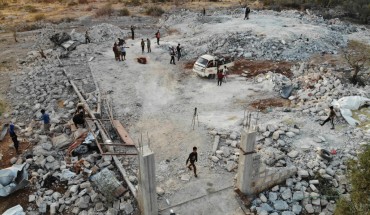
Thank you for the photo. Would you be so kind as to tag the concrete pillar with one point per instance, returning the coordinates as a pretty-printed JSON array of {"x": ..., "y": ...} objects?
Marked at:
[
  {"x": 147, "y": 185},
  {"x": 245, "y": 169}
]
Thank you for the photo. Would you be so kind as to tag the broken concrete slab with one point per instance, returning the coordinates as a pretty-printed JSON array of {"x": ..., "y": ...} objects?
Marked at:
[{"x": 61, "y": 141}]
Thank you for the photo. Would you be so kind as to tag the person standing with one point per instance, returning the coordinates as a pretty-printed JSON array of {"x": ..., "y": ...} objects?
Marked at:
[
  {"x": 204, "y": 12},
  {"x": 132, "y": 32},
  {"x": 148, "y": 45},
  {"x": 172, "y": 53},
  {"x": 247, "y": 11},
  {"x": 115, "y": 50},
  {"x": 178, "y": 48},
  {"x": 14, "y": 137},
  {"x": 158, "y": 36},
  {"x": 193, "y": 157},
  {"x": 123, "y": 52},
  {"x": 225, "y": 72},
  {"x": 142, "y": 46},
  {"x": 121, "y": 42},
  {"x": 87, "y": 37},
  {"x": 46, "y": 119},
  {"x": 330, "y": 118},
  {"x": 220, "y": 76}
]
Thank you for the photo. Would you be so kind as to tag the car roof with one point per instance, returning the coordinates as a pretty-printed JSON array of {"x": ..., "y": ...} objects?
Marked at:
[{"x": 208, "y": 57}]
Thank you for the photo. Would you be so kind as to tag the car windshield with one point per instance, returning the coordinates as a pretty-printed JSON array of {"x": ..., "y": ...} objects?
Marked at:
[{"x": 202, "y": 61}]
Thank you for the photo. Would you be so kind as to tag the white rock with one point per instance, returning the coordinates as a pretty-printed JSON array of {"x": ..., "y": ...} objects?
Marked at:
[
  {"x": 215, "y": 159},
  {"x": 287, "y": 194},
  {"x": 290, "y": 134},
  {"x": 309, "y": 208},
  {"x": 293, "y": 154},
  {"x": 263, "y": 198}
]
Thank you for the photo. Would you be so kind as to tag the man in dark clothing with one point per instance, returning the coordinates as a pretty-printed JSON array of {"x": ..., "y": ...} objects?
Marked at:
[
  {"x": 13, "y": 136},
  {"x": 204, "y": 12},
  {"x": 148, "y": 45},
  {"x": 121, "y": 42},
  {"x": 87, "y": 37},
  {"x": 172, "y": 53},
  {"x": 132, "y": 32},
  {"x": 193, "y": 157},
  {"x": 178, "y": 48},
  {"x": 46, "y": 119},
  {"x": 330, "y": 118},
  {"x": 142, "y": 46},
  {"x": 158, "y": 36},
  {"x": 78, "y": 119},
  {"x": 220, "y": 76},
  {"x": 247, "y": 11}
]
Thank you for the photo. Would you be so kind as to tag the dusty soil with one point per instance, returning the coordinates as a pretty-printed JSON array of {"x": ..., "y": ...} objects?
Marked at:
[
  {"x": 8, "y": 152},
  {"x": 18, "y": 197},
  {"x": 256, "y": 67},
  {"x": 265, "y": 104}
]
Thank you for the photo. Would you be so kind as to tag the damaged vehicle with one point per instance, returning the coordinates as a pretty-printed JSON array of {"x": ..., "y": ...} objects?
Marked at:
[{"x": 208, "y": 65}]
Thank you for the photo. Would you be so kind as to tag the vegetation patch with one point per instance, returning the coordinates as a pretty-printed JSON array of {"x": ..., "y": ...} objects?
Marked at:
[
  {"x": 39, "y": 17},
  {"x": 106, "y": 10},
  {"x": 124, "y": 12},
  {"x": 154, "y": 11}
]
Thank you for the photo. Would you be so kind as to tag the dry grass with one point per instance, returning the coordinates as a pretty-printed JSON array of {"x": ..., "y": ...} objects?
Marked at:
[
  {"x": 39, "y": 17},
  {"x": 154, "y": 11},
  {"x": 124, "y": 12},
  {"x": 106, "y": 10}
]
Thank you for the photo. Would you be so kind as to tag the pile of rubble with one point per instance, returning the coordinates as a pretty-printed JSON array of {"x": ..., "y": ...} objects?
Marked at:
[
  {"x": 321, "y": 177},
  {"x": 292, "y": 44}
]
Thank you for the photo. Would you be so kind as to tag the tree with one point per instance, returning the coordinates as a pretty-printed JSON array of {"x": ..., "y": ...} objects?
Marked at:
[
  {"x": 357, "y": 56},
  {"x": 359, "y": 175}
]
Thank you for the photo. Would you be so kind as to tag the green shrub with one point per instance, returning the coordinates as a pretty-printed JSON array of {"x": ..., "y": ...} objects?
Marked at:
[
  {"x": 30, "y": 9},
  {"x": 154, "y": 11},
  {"x": 359, "y": 177},
  {"x": 106, "y": 10},
  {"x": 39, "y": 17},
  {"x": 124, "y": 12}
]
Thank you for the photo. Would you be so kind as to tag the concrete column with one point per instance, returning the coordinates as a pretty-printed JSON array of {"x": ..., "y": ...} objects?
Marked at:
[
  {"x": 245, "y": 169},
  {"x": 147, "y": 185}
]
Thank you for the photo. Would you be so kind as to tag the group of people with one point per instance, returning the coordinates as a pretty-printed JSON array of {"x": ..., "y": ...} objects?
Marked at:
[
  {"x": 78, "y": 119},
  {"x": 175, "y": 51},
  {"x": 119, "y": 48}
]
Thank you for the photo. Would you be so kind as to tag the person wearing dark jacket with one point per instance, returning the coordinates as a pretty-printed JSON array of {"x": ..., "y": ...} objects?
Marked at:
[
  {"x": 220, "y": 76},
  {"x": 193, "y": 157},
  {"x": 148, "y": 45},
  {"x": 132, "y": 32},
  {"x": 13, "y": 136},
  {"x": 330, "y": 118},
  {"x": 247, "y": 11},
  {"x": 178, "y": 48},
  {"x": 172, "y": 53},
  {"x": 142, "y": 46}
]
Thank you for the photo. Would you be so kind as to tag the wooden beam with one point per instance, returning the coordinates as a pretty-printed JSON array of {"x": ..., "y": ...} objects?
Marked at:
[{"x": 123, "y": 133}]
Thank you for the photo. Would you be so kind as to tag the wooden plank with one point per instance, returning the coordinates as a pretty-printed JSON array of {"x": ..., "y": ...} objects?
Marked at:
[{"x": 123, "y": 133}]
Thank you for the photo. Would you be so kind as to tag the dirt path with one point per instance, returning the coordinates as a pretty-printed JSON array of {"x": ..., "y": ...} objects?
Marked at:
[{"x": 159, "y": 99}]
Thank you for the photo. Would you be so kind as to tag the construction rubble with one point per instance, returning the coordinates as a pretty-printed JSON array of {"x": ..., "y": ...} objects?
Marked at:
[{"x": 82, "y": 181}]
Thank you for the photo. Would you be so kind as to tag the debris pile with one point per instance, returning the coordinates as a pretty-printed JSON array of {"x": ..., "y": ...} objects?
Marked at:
[{"x": 253, "y": 42}]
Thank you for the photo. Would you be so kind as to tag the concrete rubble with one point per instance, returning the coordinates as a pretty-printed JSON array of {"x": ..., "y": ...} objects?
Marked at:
[{"x": 280, "y": 142}]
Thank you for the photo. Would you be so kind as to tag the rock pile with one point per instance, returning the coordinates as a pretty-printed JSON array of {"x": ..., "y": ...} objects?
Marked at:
[{"x": 292, "y": 44}]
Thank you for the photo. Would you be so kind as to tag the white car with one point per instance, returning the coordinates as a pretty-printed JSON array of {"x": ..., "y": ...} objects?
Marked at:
[{"x": 208, "y": 65}]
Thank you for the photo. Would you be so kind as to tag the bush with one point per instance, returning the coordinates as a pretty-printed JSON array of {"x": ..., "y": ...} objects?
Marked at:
[
  {"x": 106, "y": 10},
  {"x": 359, "y": 176},
  {"x": 89, "y": 8},
  {"x": 134, "y": 2},
  {"x": 72, "y": 3},
  {"x": 154, "y": 11},
  {"x": 39, "y": 17},
  {"x": 3, "y": 5},
  {"x": 83, "y": 2},
  {"x": 124, "y": 12},
  {"x": 30, "y": 9}
]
